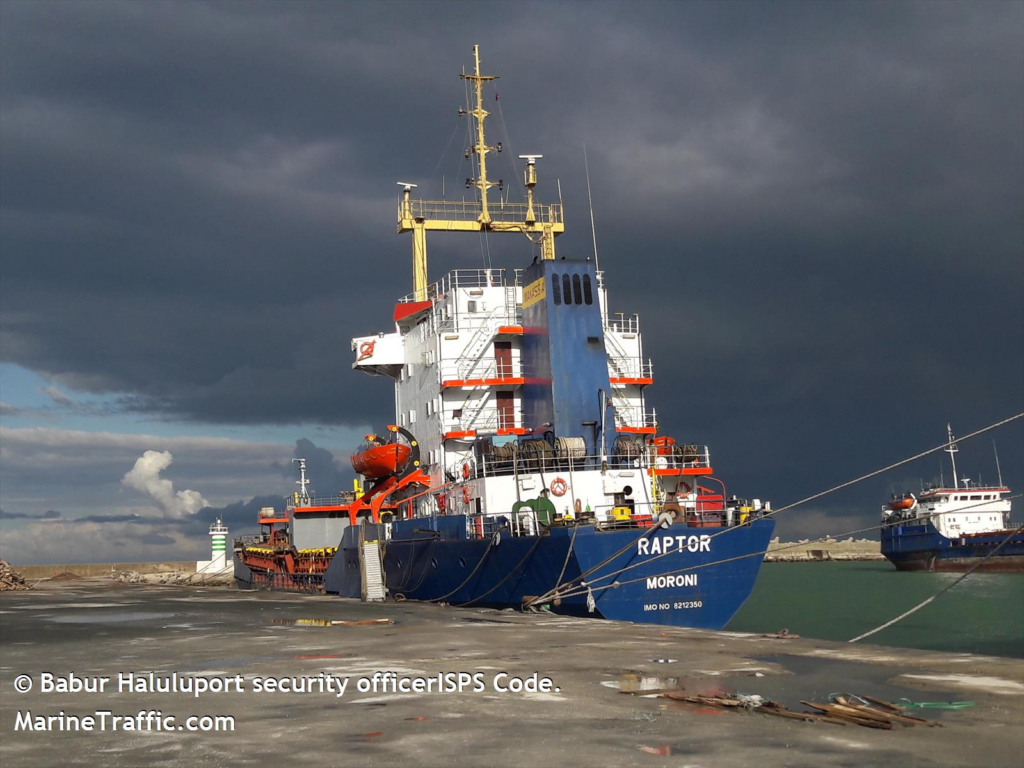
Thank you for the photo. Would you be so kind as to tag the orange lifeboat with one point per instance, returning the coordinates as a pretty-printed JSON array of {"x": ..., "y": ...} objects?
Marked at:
[
  {"x": 376, "y": 459},
  {"x": 904, "y": 502}
]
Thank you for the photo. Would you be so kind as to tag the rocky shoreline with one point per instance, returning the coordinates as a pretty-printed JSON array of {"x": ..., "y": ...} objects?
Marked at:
[{"x": 805, "y": 550}]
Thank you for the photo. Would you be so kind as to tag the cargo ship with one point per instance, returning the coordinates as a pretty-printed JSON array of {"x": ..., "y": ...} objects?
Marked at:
[
  {"x": 954, "y": 528},
  {"x": 526, "y": 467}
]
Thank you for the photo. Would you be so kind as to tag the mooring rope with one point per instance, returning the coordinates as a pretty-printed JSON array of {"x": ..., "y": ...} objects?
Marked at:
[
  {"x": 480, "y": 562},
  {"x": 507, "y": 575},
  {"x": 759, "y": 553},
  {"x": 942, "y": 591},
  {"x": 788, "y": 507},
  {"x": 551, "y": 592},
  {"x": 568, "y": 554}
]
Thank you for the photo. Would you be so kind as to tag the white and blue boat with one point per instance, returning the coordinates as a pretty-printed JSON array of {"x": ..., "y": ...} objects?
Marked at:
[
  {"x": 952, "y": 528},
  {"x": 533, "y": 470}
]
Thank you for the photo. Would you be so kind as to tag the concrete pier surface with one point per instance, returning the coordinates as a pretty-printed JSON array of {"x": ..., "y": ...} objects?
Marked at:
[{"x": 98, "y": 629}]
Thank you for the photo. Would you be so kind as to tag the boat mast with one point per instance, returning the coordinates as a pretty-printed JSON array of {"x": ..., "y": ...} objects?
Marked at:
[
  {"x": 302, "y": 482},
  {"x": 540, "y": 223},
  {"x": 999, "y": 472},
  {"x": 480, "y": 148},
  {"x": 951, "y": 449}
]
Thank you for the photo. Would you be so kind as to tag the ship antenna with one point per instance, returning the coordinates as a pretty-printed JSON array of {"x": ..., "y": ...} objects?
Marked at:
[
  {"x": 998, "y": 470},
  {"x": 951, "y": 449},
  {"x": 303, "y": 481},
  {"x": 590, "y": 200}
]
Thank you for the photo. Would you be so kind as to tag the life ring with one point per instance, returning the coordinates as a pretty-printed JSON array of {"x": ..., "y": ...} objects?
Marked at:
[
  {"x": 465, "y": 470},
  {"x": 559, "y": 486},
  {"x": 683, "y": 488},
  {"x": 465, "y": 494}
]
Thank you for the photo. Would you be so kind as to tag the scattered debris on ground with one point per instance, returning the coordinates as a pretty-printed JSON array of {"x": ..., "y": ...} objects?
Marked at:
[
  {"x": 842, "y": 709},
  {"x": 65, "y": 576},
  {"x": 782, "y": 634},
  {"x": 10, "y": 579},
  {"x": 334, "y": 623},
  {"x": 664, "y": 750},
  {"x": 172, "y": 577},
  {"x": 361, "y": 622}
]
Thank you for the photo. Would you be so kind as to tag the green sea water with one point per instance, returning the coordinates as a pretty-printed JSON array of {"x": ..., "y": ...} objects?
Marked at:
[{"x": 838, "y": 601}]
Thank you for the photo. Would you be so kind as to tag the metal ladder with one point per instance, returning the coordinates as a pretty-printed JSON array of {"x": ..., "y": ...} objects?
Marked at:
[{"x": 372, "y": 572}]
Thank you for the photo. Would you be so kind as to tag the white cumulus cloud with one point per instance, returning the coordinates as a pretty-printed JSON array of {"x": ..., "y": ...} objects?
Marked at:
[{"x": 145, "y": 477}]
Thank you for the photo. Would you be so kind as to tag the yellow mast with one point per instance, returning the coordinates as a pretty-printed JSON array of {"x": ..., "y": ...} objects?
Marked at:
[{"x": 418, "y": 216}]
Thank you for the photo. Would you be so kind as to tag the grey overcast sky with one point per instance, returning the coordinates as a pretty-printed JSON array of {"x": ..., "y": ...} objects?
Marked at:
[{"x": 817, "y": 208}]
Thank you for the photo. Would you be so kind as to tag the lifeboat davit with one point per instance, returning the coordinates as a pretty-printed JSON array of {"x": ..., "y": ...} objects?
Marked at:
[
  {"x": 376, "y": 459},
  {"x": 904, "y": 502}
]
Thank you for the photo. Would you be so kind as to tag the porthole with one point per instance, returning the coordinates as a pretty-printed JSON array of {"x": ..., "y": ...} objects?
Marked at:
[
  {"x": 588, "y": 291},
  {"x": 462, "y": 562},
  {"x": 577, "y": 292},
  {"x": 433, "y": 562},
  {"x": 567, "y": 289},
  {"x": 556, "y": 290}
]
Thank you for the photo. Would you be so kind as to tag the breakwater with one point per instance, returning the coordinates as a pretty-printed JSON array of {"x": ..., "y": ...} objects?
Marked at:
[{"x": 804, "y": 551}]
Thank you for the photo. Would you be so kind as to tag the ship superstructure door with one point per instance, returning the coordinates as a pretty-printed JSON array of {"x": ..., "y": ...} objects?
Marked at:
[
  {"x": 503, "y": 359},
  {"x": 506, "y": 407}
]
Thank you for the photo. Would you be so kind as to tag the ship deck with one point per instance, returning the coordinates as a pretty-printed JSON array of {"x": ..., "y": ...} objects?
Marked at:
[{"x": 218, "y": 631}]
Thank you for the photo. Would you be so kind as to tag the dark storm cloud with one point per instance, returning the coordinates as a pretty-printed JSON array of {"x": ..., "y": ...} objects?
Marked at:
[
  {"x": 117, "y": 519},
  {"x": 239, "y": 517},
  {"x": 826, "y": 199},
  {"x": 326, "y": 474},
  {"x": 51, "y": 514}
]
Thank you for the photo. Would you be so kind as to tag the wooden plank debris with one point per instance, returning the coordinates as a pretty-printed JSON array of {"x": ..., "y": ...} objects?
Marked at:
[{"x": 846, "y": 710}]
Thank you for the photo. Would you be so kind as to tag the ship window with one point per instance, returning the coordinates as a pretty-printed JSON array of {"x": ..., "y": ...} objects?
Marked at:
[
  {"x": 556, "y": 290},
  {"x": 588, "y": 292},
  {"x": 567, "y": 289},
  {"x": 412, "y": 417},
  {"x": 976, "y": 497},
  {"x": 577, "y": 291}
]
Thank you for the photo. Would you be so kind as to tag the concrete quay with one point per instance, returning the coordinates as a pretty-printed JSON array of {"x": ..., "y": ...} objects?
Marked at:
[{"x": 96, "y": 628}]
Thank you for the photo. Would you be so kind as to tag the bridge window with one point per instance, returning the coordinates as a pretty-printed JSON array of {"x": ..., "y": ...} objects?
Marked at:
[
  {"x": 556, "y": 290},
  {"x": 577, "y": 292},
  {"x": 588, "y": 292}
]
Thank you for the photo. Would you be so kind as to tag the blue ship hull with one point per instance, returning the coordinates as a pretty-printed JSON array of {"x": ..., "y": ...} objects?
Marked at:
[
  {"x": 923, "y": 548},
  {"x": 433, "y": 559}
]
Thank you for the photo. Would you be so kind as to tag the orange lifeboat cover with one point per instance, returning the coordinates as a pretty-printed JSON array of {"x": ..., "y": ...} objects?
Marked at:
[{"x": 381, "y": 460}]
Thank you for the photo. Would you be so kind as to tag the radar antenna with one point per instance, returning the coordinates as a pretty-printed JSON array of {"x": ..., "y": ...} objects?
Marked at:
[{"x": 538, "y": 222}]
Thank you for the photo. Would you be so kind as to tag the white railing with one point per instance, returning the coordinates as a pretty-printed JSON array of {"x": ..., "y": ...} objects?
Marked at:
[
  {"x": 523, "y": 462},
  {"x": 486, "y": 418},
  {"x": 633, "y": 417},
  {"x": 454, "y": 370},
  {"x": 469, "y": 278},
  {"x": 622, "y": 324},
  {"x": 630, "y": 368}
]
